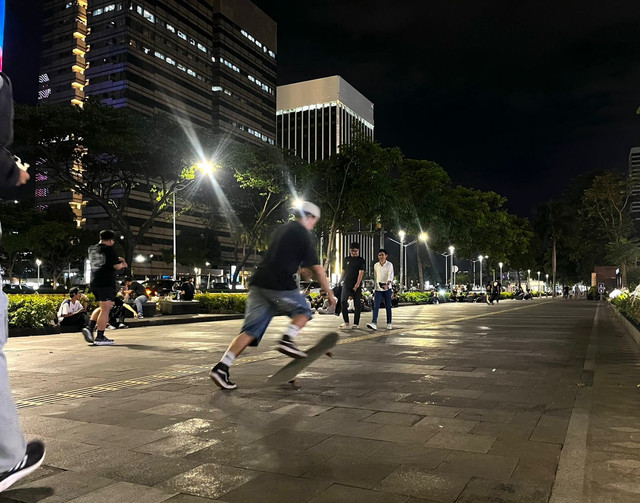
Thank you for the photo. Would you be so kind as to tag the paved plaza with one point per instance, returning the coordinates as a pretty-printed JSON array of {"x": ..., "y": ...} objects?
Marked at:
[{"x": 518, "y": 402}]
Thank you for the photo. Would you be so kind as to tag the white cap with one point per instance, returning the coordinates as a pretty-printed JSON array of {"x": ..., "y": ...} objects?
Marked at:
[{"x": 308, "y": 207}]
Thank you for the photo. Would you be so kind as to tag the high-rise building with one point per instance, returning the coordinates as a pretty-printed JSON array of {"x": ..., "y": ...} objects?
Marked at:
[
  {"x": 210, "y": 63},
  {"x": 634, "y": 175},
  {"x": 315, "y": 117}
]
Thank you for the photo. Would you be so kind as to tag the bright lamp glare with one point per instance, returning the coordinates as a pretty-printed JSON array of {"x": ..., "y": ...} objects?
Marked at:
[
  {"x": 402, "y": 234},
  {"x": 206, "y": 167},
  {"x": 424, "y": 236},
  {"x": 139, "y": 258}
]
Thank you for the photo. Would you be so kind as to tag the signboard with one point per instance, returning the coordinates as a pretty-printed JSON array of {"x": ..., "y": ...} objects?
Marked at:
[{"x": 600, "y": 287}]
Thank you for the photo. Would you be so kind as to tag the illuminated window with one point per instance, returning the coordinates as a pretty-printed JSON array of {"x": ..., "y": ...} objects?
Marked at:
[
  {"x": 171, "y": 28},
  {"x": 148, "y": 16},
  {"x": 202, "y": 47},
  {"x": 97, "y": 12},
  {"x": 170, "y": 61},
  {"x": 159, "y": 55},
  {"x": 109, "y": 8},
  {"x": 216, "y": 88},
  {"x": 191, "y": 72},
  {"x": 182, "y": 35},
  {"x": 182, "y": 67}
]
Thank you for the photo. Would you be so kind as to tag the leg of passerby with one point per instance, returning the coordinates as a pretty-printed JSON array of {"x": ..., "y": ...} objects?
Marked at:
[
  {"x": 377, "y": 300},
  {"x": 17, "y": 458},
  {"x": 344, "y": 306},
  {"x": 93, "y": 320},
  {"x": 139, "y": 302},
  {"x": 102, "y": 322},
  {"x": 357, "y": 306},
  {"x": 387, "y": 305}
]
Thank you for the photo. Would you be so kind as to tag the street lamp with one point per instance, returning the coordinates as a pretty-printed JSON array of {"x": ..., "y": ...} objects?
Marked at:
[
  {"x": 38, "y": 263},
  {"x": 453, "y": 278},
  {"x": 204, "y": 167},
  {"x": 538, "y": 283},
  {"x": 528, "y": 279},
  {"x": 209, "y": 275},
  {"x": 402, "y": 235},
  {"x": 546, "y": 283},
  {"x": 500, "y": 264}
]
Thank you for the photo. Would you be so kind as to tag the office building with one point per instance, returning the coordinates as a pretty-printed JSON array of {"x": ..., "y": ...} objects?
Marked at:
[
  {"x": 315, "y": 117},
  {"x": 209, "y": 63},
  {"x": 634, "y": 175}
]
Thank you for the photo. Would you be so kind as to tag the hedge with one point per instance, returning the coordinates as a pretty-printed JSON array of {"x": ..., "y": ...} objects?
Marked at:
[
  {"x": 38, "y": 311},
  {"x": 629, "y": 307},
  {"x": 222, "y": 302}
]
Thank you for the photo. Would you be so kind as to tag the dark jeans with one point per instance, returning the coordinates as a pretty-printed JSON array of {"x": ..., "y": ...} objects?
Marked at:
[
  {"x": 79, "y": 319},
  {"x": 348, "y": 291},
  {"x": 379, "y": 297}
]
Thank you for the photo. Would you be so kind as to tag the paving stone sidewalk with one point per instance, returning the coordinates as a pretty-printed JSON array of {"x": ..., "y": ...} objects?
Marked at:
[{"x": 459, "y": 403}]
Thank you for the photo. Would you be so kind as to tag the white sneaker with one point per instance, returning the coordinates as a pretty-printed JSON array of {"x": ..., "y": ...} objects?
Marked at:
[
  {"x": 389, "y": 326},
  {"x": 372, "y": 326},
  {"x": 344, "y": 326},
  {"x": 110, "y": 327},
  {"x": 354, "y": 326}
]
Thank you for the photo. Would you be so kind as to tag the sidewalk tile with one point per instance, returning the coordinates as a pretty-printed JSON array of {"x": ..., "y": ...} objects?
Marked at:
[
  {"x": 461, "y": 442},
  {"x": 423, "y": 483},
  {"x": 274, "y": 488},
  {"x": 338, "y": 493},
  {"x": 351, "y": 471},
  {"x": 209, "y": 481},
  {"x": 124, "y": 492}
]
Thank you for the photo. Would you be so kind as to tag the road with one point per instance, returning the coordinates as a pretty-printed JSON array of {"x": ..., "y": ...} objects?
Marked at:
[{"x": 518, "y": 402}]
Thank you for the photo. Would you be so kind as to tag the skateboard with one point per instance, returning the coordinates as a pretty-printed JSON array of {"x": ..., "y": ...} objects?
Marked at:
[{"x": 294, "y": 367}]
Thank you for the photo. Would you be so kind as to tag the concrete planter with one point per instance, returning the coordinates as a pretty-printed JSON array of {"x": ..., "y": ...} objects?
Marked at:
[
  {"x": 170, "y": 307},
  {"x": 629, "y": 327}
]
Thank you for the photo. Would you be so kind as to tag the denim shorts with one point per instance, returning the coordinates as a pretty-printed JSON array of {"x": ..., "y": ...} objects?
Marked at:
[{"x": 263, "y": 304}]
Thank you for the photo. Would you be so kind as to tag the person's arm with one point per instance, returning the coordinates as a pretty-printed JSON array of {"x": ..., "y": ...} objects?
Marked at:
[
  {"x": 120, "y": 265},
  {"x": 318, "y": 272},
  {"x": 359, "y": 280},
  {"x": 127, "y": 306}
]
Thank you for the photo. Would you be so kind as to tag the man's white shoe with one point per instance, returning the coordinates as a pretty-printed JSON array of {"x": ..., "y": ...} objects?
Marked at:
[
  {"x": 345, "y": 326},
  {"x": 372, "y": 326},
  {"x": 389, "y": 326}
]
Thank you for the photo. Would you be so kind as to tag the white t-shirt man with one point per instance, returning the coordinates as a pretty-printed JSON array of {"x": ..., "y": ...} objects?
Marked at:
[
  {"x": 383, "y": 273},
  {"x": 69, "y": 306}
]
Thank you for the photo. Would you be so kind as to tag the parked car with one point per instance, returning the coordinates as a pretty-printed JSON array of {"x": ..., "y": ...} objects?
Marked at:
[
  {"x": 159, "y": 287},
  {"x": 19, "y": 289}
]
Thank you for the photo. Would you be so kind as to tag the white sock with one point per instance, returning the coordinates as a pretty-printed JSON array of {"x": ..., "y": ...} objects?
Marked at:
[
  {"x": 292, "y": 331},
  {"x": 228, "y": 358}
]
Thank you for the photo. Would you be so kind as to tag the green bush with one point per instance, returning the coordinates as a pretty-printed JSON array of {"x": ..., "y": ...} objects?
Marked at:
[
  {"x": 421, "y": 297},
  {"x": 38, "y": 311},
  {"x": 222, "y": 302},
  {"x": 629, "y": 307}
]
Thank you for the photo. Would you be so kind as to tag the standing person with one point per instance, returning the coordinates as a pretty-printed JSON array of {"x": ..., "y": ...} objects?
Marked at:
[
  {"x": 187, "y": 289},
  {"x": 17, "y": 457},
  {"x": 496, "y": 289},
  {"x": 138, "y": 293},
  {"x": 73, "y": 312},
  {"x": 274, "y": 289},
  {"x": 352, "y": 273},
  {"x": 104, "y": 264},
  {"x": 383, "y": 277}
]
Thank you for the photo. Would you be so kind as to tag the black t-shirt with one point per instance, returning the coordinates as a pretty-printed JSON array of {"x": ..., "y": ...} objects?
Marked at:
[
  {"x": 103, "y": 258},
  {"x": 291, "y": 247},
  {"x": 188, "y": 289},
  {"x": 352, "y": 267},
  {"x": 137, "y": 289}
]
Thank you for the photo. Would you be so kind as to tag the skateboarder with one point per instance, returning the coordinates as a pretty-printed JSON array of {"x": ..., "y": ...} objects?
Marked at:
[{"x": 273, "y": 289}]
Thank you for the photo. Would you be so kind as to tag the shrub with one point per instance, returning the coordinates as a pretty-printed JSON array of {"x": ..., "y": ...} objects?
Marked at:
[
  {"x": 38, "y": 311},
  {"x": 222, "y": 302},
  {"x": 629, "y": 307}
]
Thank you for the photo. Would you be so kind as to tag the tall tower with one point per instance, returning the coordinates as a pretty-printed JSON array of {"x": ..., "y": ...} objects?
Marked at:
[
  {"x": 315, "y": 117},
  {"x": 634, "y": 175}
]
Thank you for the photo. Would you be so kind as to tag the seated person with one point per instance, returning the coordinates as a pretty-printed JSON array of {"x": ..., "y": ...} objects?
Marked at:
[
  {"x": 187, "y": 289},
  {"x": 137, "y": 293},
  {"x": 72, "y": 311},
  {"x": 116, "y": 315}
]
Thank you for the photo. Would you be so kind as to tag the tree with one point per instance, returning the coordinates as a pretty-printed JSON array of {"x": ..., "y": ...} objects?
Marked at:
[
  {"x": 107, "y": 155},
  {"x": 353, "y": 184}
]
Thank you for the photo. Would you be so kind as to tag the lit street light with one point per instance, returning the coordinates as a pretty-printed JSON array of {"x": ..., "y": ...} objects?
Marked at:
[
  {"x": 402, "y": 235},
  {"x": 546, "y": 283},
  {"x": 538, "y": 283},
  {"x": 480, "y": 257},
  {"x": 403, "y": 246},
  {"x": 528, "y": 279},
  {"x": 38, "y": 263},
  {"x": 209, "y": 275},
  {"x": 500, "y": 264}
]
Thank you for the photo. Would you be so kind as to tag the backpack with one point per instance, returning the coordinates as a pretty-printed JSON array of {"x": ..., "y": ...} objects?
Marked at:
[{"x": 59, "y": 315}]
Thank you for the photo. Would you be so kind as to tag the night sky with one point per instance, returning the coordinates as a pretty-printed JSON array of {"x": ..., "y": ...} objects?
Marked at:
[{"x": 517, "y": 97}]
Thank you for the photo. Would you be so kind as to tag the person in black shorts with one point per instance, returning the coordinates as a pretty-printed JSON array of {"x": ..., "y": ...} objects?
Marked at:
[
  {"x": 104, "y": 264},
  {"x": 274, "y": 289},
  {"x": 352, "y": 273}
]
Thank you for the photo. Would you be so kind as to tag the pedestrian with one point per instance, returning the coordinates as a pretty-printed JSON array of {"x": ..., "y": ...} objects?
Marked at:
[
  {"x": 187, "y": 289},
  {"x": 383, "y": 278},
  {"x": 17, "y": 457},
  {"x": 274, "y": 289},
  {"x": 72, "y": 311},
  {"x": 496, "y": 289},
  {"x": 138, "y": 293},
  {"x": 352, "y": 274},
  {"x": 104, "y": 264}
]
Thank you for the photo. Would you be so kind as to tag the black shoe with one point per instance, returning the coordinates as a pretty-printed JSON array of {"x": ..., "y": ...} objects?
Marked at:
[
  {"x": 287, "y": 347},
  {"x": 88, "y": 335},
  {"x": 103, "y": 341},
  {"x": 220, "y": 375},
  {"x": 30, "y": 462}
]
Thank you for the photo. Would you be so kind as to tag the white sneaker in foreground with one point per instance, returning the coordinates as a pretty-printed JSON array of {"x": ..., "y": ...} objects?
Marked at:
[
  {"x": 344, "y": 326},
  {"x": 372, "y": 326},
  {"x": 389, "y": 326}
]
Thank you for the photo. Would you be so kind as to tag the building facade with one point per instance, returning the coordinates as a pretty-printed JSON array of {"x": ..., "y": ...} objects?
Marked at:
[
  {"x": 206, "y": 63},
  {"x": 315, "y": 117},
  {"x": 634, "y": 175}
]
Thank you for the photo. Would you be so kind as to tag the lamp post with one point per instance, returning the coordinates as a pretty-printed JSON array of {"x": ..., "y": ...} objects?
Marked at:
[
  {"x": 500, "y": 264},
  {"x": 538, "y": 283},
  {"x": 480, "y": 257},
  {"x": 528, "y": 279},
  {"x": 204, "y": 167},
  {"x": 209, "y": 275},
  {"x": 453, "y": 278},
  {"x": 546, "y": 283},
  {"x": 402, "y": 235},
  {"x": 38, "y": 263},
  {"x": 446, "y": 267}
]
